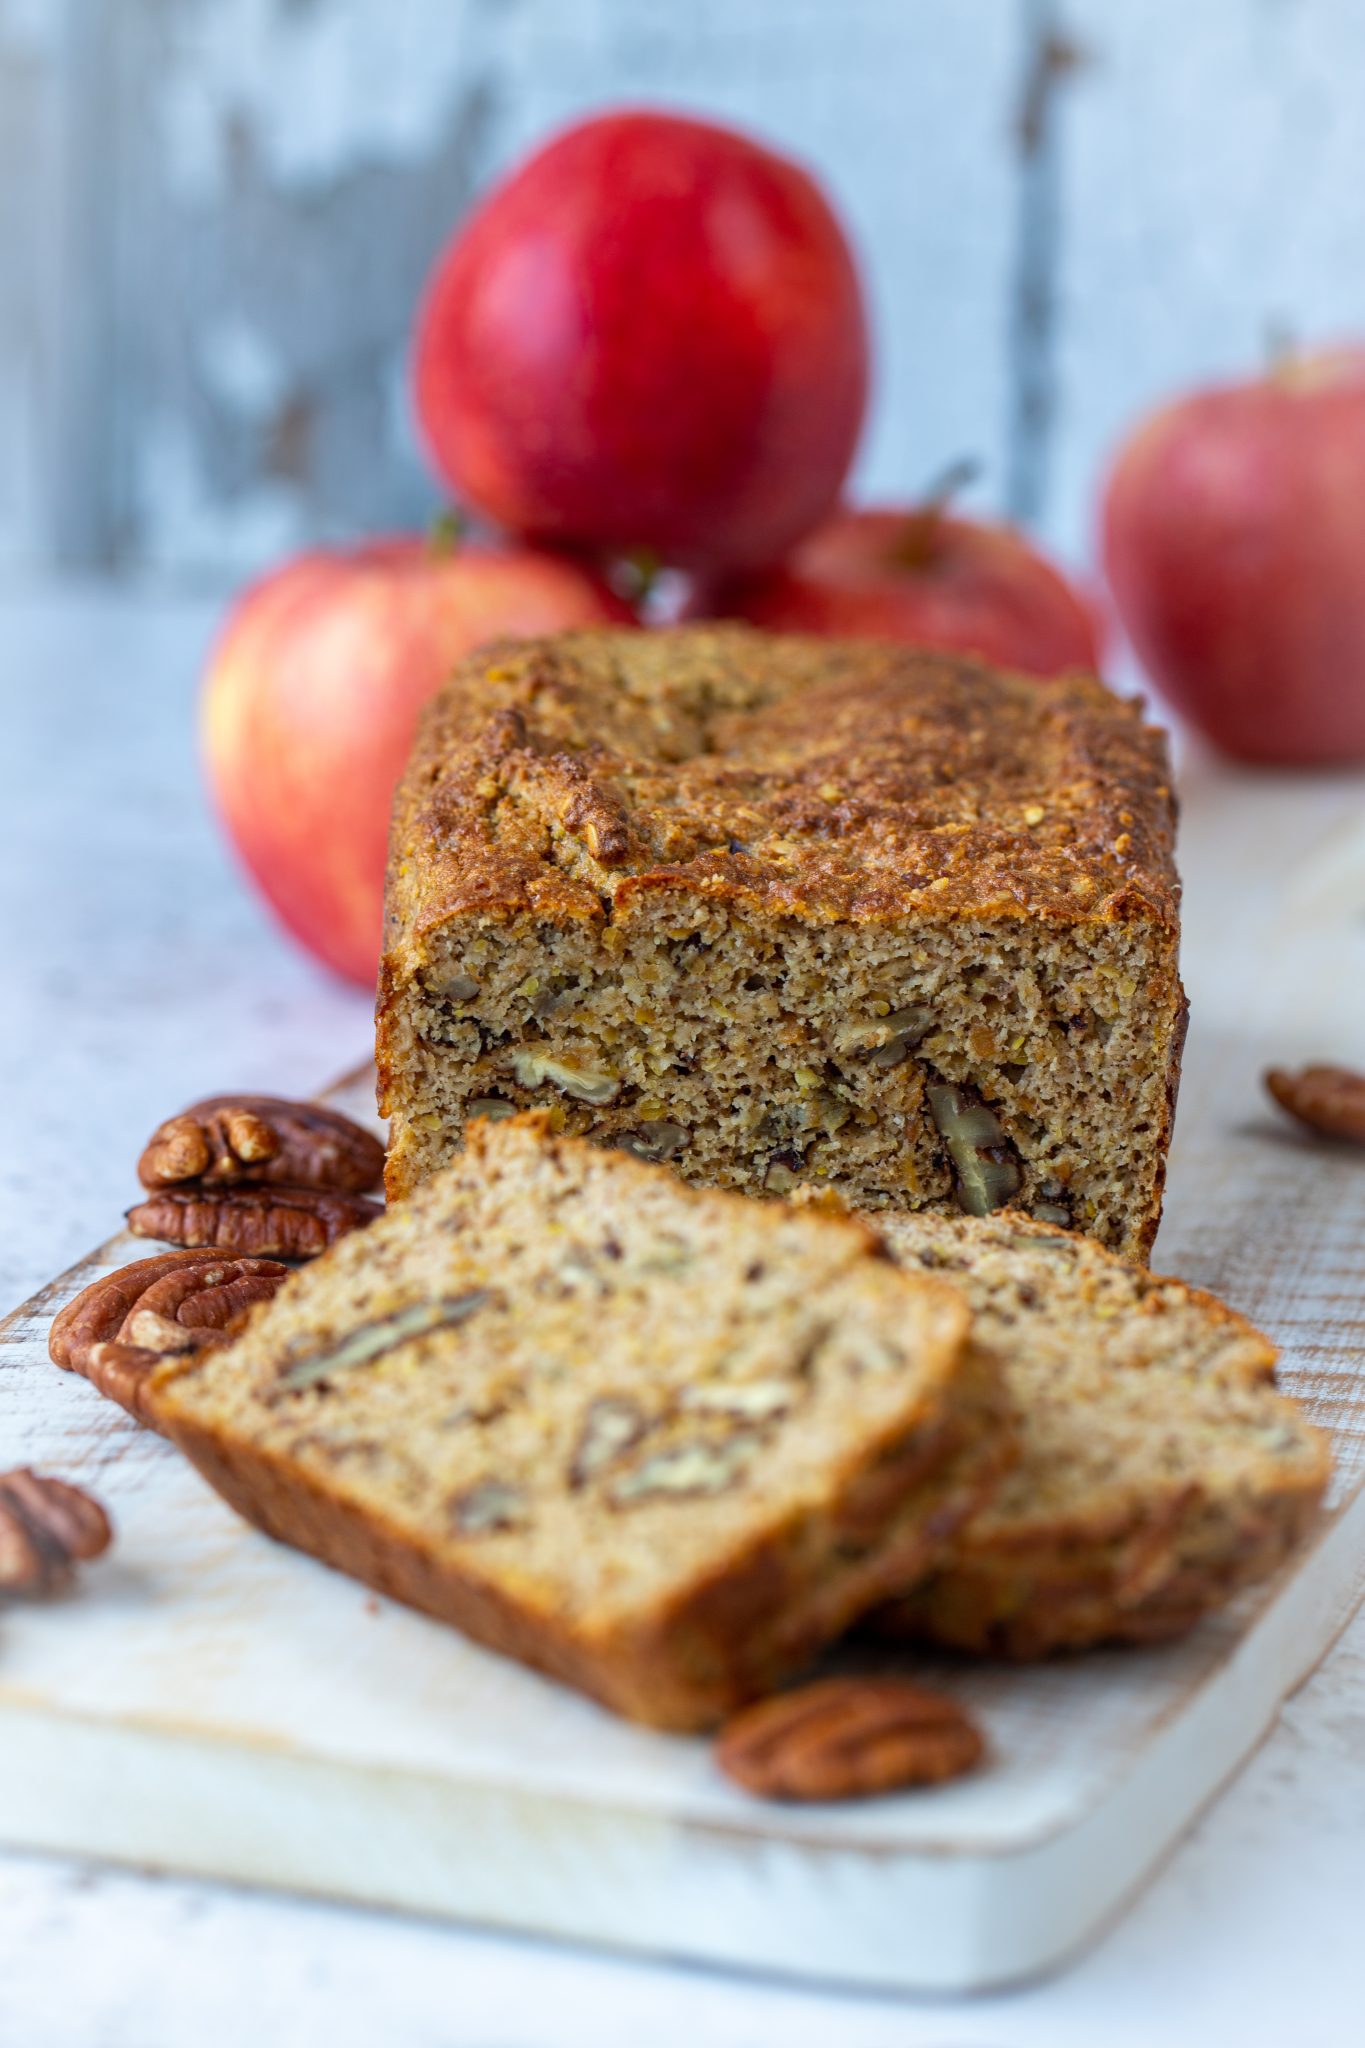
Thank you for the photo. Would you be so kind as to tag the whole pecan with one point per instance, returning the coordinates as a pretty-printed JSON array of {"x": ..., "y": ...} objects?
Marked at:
[
  {"x": 226, "y": 1140},
  {"x": 844, "y": 1738},
  {"x": 253, "y": 1222},
  {"x": 45, "y": 1526},
  {"x": 1329, "y": 1100},
  {"x": 121, "y": 1326}
]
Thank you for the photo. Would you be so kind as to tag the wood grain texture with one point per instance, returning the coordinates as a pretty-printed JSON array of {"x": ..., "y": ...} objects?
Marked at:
[{"x": 276, "y": 1723}]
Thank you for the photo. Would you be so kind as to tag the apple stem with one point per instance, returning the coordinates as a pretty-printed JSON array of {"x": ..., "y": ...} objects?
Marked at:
[
  {"x": 1281, "y": 348},
  {"x": 446, "y": 531},
  {"x": 918, "y": 542},
  {"x": 639, "y": 572}
]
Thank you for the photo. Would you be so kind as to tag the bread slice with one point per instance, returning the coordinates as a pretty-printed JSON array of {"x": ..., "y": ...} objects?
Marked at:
[
  {"x": 1159, "y": 1471},
  {"x": 661, "y": 1443}
]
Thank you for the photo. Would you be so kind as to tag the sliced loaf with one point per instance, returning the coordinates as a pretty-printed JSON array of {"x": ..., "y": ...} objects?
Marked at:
[{"x": 662, "y": 1443}]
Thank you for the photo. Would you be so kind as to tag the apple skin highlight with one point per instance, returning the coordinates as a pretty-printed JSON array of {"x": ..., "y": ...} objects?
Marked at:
[{"x": 1234, "y": 540}]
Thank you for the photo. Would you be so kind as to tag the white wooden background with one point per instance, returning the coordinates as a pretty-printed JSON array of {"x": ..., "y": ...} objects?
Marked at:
[{"x": 215, "y": 215}]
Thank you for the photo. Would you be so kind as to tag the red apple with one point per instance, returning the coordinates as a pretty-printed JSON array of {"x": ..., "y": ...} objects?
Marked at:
[
  {"x": 312, "y": 696},
  {"x": 649, "y": 336},
  {"x": 921, "y": 576},
  {"x": 1234, "y": 538}
]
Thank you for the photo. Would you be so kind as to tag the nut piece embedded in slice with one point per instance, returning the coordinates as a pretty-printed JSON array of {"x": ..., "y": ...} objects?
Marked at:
[
  {"x": 656, "y": 1139},
  {"x": 757, "y": 1401},
  {"x": 230, "y": 1139},
  {"x": 375, "y": 1340},
  {"x": 848, "y": 1738},
  {"x": 611, "y": 1425},
  {"x": 46, "y": 1527},
  {"x": 533, "y": 1069},
  {"x": 119, "y": 1327},
  {"x": 886, "y": 1041},
  {"x": 485, "y": 1509},
  {"x": 693, "y": 1467},
  {"x": 985, "y": 1164},
  {"x": 1328, "y": 1100},
  {"x": 251, "y": 1221},
  {"x": 494, "y": 1107}
]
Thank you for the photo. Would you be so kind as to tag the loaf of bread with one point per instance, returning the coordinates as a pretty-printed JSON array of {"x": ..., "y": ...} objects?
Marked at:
[
  {"x": 786, "y": 911},
  {"x": 662, "y": 1443},
  {"x": 1159, "y": 1471}
]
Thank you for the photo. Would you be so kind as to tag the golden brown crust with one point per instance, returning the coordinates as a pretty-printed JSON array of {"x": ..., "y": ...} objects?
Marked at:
[
  {"x": 1145, "y": 1235},
  {"x": 824, "y": 779},
  {"x": 1041, "y": 1596}
]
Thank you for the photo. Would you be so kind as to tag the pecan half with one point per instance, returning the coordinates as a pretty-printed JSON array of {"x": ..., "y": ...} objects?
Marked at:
[
  {"x": 846, "y": 1738},
  {"x": 251, "y": 1222},
  {"x": 45, "y": 1526},
  {"x": 230, "y": 1139},
  {"x": 120, "y": 1327},
  {"x": 373, "y": 1340},
  {"x": 1329, "y": 1100}
]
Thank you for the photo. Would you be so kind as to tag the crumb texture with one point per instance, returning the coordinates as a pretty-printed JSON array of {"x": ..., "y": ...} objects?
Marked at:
[
  {"x": 1159, "y": 1470},
  {"x": 661, "y": 1442},
  {"x": 783, "y": 912}
]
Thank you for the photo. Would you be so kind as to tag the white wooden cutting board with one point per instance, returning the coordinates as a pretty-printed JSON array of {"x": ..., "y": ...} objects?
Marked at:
[{"x": 208, "y": 1702}]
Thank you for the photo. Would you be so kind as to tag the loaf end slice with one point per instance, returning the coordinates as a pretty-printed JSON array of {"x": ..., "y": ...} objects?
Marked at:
[
  {"x": 1159, "y": 1471},
  {"x": 789, "y": 912},
  {"x": 660, "y": 1443}
]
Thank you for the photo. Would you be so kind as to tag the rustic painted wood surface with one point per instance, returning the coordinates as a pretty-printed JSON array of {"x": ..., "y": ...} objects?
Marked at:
[
  {"x": 226, "y": 1706},
  {"x": 215, "y": 216}
]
